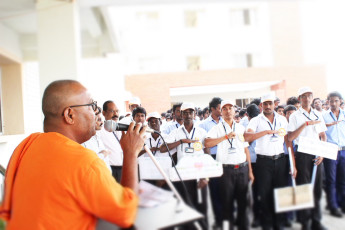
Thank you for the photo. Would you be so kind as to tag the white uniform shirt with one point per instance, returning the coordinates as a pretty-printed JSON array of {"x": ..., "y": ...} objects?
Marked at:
[
  {"x": 196, "y": 133},
  {"x": 112, "y": 143},
  {"x": 223, "y": 155},
  {"x": 300, "y": 117},
  {"x": 151, "y": 142},
  {"x": 95, "y": 143},
  {"x": 264, "y": 145}
]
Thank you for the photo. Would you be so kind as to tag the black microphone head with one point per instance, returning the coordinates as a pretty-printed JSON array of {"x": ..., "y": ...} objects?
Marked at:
[{"x": 110, "y": 125}]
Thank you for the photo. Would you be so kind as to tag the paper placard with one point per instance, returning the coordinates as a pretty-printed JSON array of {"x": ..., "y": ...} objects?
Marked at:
[
  {"x": 196, "y": 166},
  {"x": 283, "y": 198},
  {"x": 149, "y": 171},
  {"x": 317, "y": 148}
]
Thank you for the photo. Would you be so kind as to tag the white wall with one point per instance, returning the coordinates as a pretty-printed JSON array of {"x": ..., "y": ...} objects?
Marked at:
[{"x": 163, "y": 42}]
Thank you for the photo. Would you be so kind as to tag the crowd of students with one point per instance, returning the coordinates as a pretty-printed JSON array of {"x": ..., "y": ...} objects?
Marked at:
[{"x": 252, "y": 145}]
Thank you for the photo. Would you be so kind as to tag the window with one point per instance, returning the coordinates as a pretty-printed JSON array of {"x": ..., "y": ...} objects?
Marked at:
[
  {"x": 243, "y": 102},
  {"x": 148, "y": 20},
  {"x": 243, "y": 17},
  {"x": 243, "y": 60},
  {"x": 193, "y": 63},
  {"x": 191, "y": 19}
]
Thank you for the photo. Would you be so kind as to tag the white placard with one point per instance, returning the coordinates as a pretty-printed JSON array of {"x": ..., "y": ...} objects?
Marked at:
[
  {"x": 149, "y": 171},
  {"x": 318, "y": 148},
  {"x": 284, "y": 198},
  {"x": 196, "y": 166}
]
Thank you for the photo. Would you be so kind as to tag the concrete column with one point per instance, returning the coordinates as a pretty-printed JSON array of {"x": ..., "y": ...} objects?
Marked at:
[
  {"x": 12, "y": 99},
  {"x": 59, "y": 50}
]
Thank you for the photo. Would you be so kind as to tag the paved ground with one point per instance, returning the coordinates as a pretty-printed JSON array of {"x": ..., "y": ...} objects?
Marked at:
[{"x": 332, "y": 223}]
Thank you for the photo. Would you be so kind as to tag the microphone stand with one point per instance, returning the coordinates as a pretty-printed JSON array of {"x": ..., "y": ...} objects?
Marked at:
[{"x": 166, "y": 178}]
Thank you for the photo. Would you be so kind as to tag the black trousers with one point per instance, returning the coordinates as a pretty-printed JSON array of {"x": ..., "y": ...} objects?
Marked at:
[
  {"x": 304, "y": 165},
  {"x": 234, "y": 186},
  {"x": 116, "y": 172},
  {"x": 214, "y": 186},
  {"x": 270, "y": 174},
  {"x": 191, "y": 186},
  {"x": 256, "y": 210}
]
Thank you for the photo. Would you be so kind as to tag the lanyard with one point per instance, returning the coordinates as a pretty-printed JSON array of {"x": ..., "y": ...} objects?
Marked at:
[
  {"x": 116, "y": 137},
  {"x": 275, "y": 123},
  {"x": 187, "y": 135},
  {"x": 176, "y": 125},
  {"x": 317, "y": 118},
  {"x": 226, "y": 133},
  {"x": 159, "y": 140}
]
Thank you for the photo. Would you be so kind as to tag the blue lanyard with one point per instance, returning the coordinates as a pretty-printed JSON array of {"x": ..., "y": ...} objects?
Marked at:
[
  {"x": 226, "y": 133},
  {"x": 334, "y": 117},
  {"x": 317, "y": 118},
  {"x": 275, "y": 124},
  {"x": 116, "y": 137},
  {"x": 159, "y": 140},
  {"x": 187, "y": 135}
]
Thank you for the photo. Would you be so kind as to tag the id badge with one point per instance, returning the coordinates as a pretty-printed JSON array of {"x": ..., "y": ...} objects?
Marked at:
[
  {"x": 231, "y": 150},
  {"x": 189, "y": 150},
  {"x": 274, "y": 138}
]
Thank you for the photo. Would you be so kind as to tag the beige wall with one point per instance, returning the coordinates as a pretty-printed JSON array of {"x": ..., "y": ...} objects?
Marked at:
[
  {"x": 153, "y": 89},
  {"x": 286, "y": 33}
]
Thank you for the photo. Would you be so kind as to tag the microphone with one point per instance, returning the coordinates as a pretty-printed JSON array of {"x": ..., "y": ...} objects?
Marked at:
[{"x": 112, "y": 126}]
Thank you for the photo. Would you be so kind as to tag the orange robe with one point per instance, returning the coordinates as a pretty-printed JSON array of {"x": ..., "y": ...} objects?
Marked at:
[{"x": 53, "y": 182}]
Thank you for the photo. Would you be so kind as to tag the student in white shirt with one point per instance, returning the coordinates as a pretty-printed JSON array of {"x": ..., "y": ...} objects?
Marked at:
[
  {"x": 233, "y": 153},
  {"x": 308, "y": 122},
  {"x": 95, "y": 143},
  {"x": 189, "y": 139},
  {"x": 269, "y": 129}
]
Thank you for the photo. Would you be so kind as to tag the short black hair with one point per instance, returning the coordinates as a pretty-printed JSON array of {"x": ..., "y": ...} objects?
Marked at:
[
  {"x": 253, "y": 110},
  {"x": 315, "y": 99},
  {"x": 163, "y": 114},
  {"x": 292, "y": 101},
  {"x": 105, "y": 105},
  {"x": 278, "y": 107},
  {"x": 205, "y": 110},
  {"x": 175, "y": 106},
  {"x": 214, "y": 102},
  {"x": 277, "y": 99},
  {"x": 242, "y": 112},
  {"x": 289, "y": 108},
  {"x": 334, "y": 94},
  {"x": 256, "y": 101},
  {"x": 138, "y": 110}
]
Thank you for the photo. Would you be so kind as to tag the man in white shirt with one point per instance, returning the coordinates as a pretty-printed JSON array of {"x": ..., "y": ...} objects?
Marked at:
[
  {"x": 189, "y": 139},
  {"x": 233, "y": 153},
  {"x": 178, "y": 119},
  {"x": 268, "y": 129},
  {"x": 308, "y": 122},
  {"x": 95, "y": 143},
  {"x": 133, "y": 103},
  {"x": 111, "y": 140},
  {"x": 154, "y": 141}
]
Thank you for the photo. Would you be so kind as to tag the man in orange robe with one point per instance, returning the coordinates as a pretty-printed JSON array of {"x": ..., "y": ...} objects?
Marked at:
[{"x": 52, "y": 182}]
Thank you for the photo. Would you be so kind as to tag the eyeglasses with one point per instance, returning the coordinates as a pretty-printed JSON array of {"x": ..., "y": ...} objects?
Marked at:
[{"x": 93, "y": 106}]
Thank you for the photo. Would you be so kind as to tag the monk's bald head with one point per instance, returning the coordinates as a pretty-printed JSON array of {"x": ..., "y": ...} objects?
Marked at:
[{"x": 58, "y": 95}]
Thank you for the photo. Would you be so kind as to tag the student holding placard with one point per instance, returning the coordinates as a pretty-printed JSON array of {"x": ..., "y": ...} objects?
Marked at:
[
  {"x": 335, "y": 169},
  {"x": 308, "y": 122},
  {"x": 233, "y": 153},
  {"x": 189, "y": 139},
  {"x": 269, "y": 129}
]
